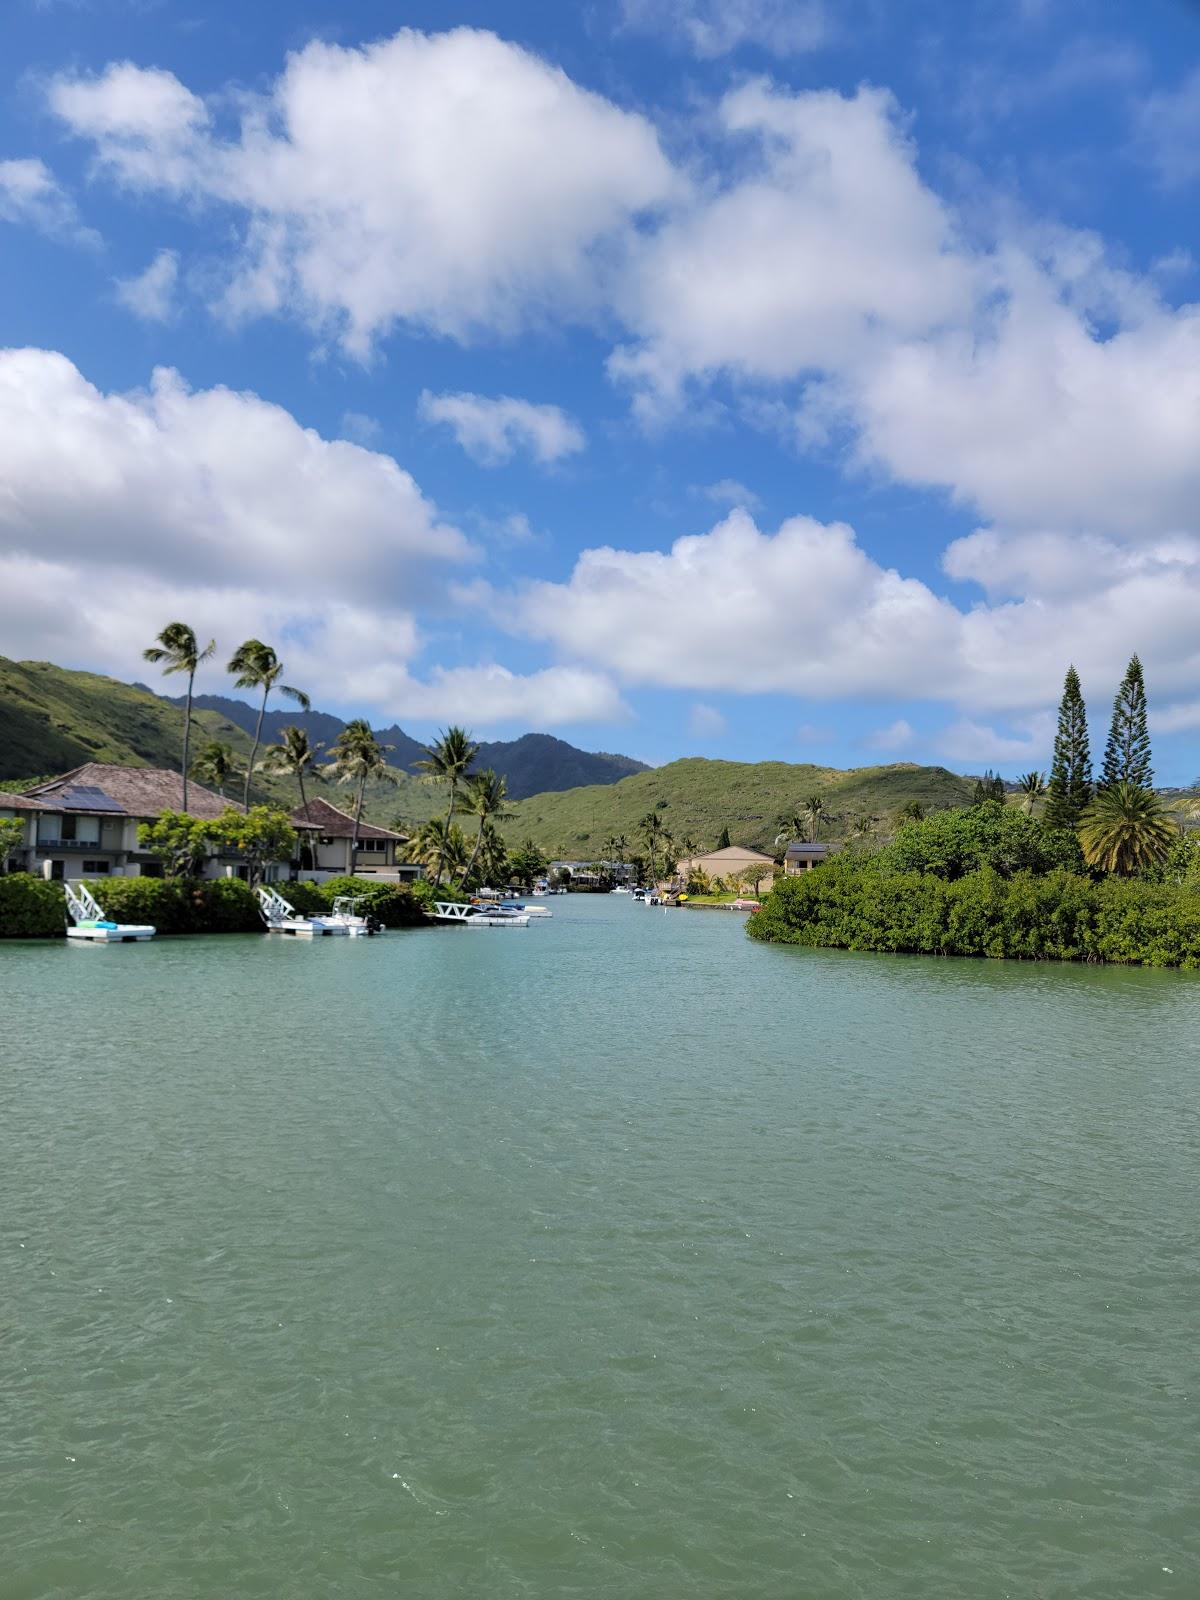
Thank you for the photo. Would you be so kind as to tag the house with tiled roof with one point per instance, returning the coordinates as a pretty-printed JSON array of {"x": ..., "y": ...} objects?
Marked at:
[
  {"x": 84, "y": 824},
  {"x": 328, "y": 834}
]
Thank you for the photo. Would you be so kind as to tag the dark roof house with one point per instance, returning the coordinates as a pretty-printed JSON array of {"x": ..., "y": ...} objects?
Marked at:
[
  {"x": 334, "y": 823},
  {"x": 103, "y": 788}
]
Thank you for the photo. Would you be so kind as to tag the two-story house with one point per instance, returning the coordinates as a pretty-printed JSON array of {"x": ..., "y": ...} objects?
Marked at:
[{"x": 328, "y": 833}]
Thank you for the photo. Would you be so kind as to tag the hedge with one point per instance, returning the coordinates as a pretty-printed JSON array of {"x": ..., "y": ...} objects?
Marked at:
[
  {"x": 1058, "y": 916},
  {"x": 33, "y": 908}
]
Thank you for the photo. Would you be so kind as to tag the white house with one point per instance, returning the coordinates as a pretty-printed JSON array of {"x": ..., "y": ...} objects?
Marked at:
[{"x": 327, "y": 833}]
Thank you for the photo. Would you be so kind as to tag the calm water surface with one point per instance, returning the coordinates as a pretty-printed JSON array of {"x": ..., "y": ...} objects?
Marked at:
[{"x": 615, "y": 1257}]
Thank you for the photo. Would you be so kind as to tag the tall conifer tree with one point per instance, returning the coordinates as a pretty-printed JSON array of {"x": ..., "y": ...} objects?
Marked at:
[
  {"x": 1070, "y": 788},
  {"x": 1127, "y": 753}
]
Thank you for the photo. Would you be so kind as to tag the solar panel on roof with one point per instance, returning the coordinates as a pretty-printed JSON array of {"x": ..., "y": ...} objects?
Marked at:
[{"x": 84, "y": 797}]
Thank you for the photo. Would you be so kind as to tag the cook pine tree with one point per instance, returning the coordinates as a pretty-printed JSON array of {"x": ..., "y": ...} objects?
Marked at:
[
  {"x": 1069, "y": 791},
  {"x": 1127, "y": 753}
]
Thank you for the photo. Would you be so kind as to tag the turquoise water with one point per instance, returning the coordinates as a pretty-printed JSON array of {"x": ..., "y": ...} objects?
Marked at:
[{"x": 613, "y": 1257}]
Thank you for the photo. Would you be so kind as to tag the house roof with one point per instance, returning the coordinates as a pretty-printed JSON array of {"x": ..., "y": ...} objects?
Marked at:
[
  {"x": 730, "y": 854},
  {"x": 338, "y": 824},
  {"x": 805, "y": 847},
  {"x": 101, "y": 787},
  {"x": 20, "y": 802}
]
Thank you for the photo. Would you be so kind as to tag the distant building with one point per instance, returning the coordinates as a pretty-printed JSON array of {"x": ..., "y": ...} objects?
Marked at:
[
  {"x": 327, "y": 833},
  {"x": 802, "y": 856},
  {"x": 727, "y": 863}
]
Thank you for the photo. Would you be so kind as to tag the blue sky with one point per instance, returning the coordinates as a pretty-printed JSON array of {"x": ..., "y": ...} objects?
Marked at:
[{"x": 803, "y": 381}]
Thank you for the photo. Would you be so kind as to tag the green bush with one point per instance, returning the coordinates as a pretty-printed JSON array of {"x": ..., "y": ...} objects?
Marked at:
[
  {"x": 31, "y": 908},
  {"x": 1058, "y": 915},
  {"x": 950, "y": 844},
  {"x": 396, "y": 905},
  {"x": 180, "y": 905}
]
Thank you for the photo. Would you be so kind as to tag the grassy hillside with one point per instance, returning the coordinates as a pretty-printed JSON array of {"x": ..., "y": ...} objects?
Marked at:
[{"x": 703, "y": 796}]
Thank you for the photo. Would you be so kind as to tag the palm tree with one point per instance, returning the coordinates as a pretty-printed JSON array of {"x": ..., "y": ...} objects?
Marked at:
[
  {"x": 448, "y": 761},
  {"x": 651, "y": 830},
  {"x": 815, "y": 812},
  {"x": 484, "y": 796},
  {"x": 791, "y": 826},
  {"x": 438, "y": 846},
  {"x": 178, "y": 651},
  {"x": 914, "y": 811},
  {"x": 215, "y": 764},
  {"x": 256, "y": 666},
  {"x": 293, "y": 755},
  {"x": 1032, "y": 786},
  {"x": 358, "y": 755},
  {"x": 1125, "y": 828},
  {"x": 688, "y": 849}
]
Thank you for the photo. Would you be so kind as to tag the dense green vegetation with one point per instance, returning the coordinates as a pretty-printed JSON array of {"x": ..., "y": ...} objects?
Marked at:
[
  {"x": 32, "y": 908},
  {"x": 700, "y": 798},
  {"x": 1059, "y": 915}
]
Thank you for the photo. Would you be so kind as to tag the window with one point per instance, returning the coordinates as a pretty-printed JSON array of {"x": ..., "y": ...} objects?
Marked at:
[
  {"x": 95, "y": 868},
  {"x": 372, "y": 846}
]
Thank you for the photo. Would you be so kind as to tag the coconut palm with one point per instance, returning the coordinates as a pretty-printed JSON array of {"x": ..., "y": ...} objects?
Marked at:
[
  {"x": 816, "y": 814},
  {"x": 177, "y": 651},
  {"x": 493, "y": 855},
  {"x": 792, "y": 825},
  {"x": 294, "y": 755},
  {"x": 256, "y": 666},
  {"x": 1125, "y": 828},
  {"x": 448, "y": 761},
  {"x": 215, "y": 764},
  {"x": 651, "y": 830},
  {"x": 438, "y": 847},
  {"x": 357, "y": 756},
  {"x": 1032, "y": 787},
  {"x": 484, "y": 796}
]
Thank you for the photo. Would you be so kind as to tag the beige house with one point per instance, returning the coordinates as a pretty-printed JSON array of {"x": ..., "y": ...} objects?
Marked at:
[
  {"x": 85, "y": 824},
  {"x": 727, "y": 863},
  {"x": 803, "y": 856},
  {"x": 327, "y": 834}
]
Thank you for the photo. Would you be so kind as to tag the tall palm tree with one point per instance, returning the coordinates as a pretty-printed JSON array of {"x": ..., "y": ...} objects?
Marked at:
[
  {"x": 1125, "y": 828},
  {"x": 651, "y": 830},
  {"x": 688, "y": 848},
  {"x": 256, "y": 666},
  {"x": 448, "y": 760},
  {"x": 215, "y": 764},
  {"x": 1032, "y": 786},
  {"x": 792, "y": 825},
  {"x": 358, "y": 755},
  {"x": 177, "y": 650},
  {"x": 484, "y": 796},
  {"x": 294, "y": 755},
  {"x": 815, "y": 812}
]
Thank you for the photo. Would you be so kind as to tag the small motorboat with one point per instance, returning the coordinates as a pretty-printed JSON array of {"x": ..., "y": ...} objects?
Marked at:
[
  {"x": 358, "y": 925},
  {"x": 280, "y": 916},
  {"x": 87, "y": 921},
  {"x": 478, "y": 916},
  {"x": 529, "y": 911}
]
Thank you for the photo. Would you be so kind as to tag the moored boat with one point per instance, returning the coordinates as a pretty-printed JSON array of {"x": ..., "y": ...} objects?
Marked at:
[
  {"x": 346, "y": 913},
  {"x": 280, "y": 916},
  {"x": 477, "y": 916},
  {"x": 87, "y": 921}
]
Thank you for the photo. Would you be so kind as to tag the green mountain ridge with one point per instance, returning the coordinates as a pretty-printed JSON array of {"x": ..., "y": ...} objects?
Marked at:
[{"x": 699, "y": 797}]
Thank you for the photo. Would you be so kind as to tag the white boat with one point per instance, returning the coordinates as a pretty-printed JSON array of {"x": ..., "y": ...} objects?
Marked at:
[
  {"x": 280, "y": 917},
  {"x": 478, "y": 916},
  {"x": 529, "y": 911},
  {"x": 87, "y": 920},
  {"x": 622, "y": 888},
  {"x": 346, "y": 914}
]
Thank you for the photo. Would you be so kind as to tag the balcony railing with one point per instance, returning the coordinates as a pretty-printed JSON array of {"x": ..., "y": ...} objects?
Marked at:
[{"x": 87, "y": 846}]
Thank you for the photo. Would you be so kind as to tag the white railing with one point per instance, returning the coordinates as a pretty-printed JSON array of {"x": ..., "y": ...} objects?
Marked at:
[
  {"x": 273, "y": 907},
  {"x": 81, "y": 903}
]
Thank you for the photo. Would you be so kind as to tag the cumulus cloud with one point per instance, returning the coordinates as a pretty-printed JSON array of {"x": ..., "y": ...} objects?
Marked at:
[
  {"x": 151, "y": 294},
  {"x": 492, "y": 431},
  {"x": 1169, "y": 132},
  {"x": 452, "y": 182},
  {"x": 490, "y": 694},
  {"x": 31, "y": 195},
  {"x": 716, "y": 27},
  {"x": 806, "y": 611},
  {"x": 898, "y": 735},
  {"x": 729, "y": 492}
]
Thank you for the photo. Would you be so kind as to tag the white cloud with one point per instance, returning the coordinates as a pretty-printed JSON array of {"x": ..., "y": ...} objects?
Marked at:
[
  {"x": 779, "y": 272},
  {"x": 453, "y": 182},
  {"x": 361, "y": 428},
  {"x": 971, "y": 742},
  {"x": 151, "y": 294},
  {"x": 31, "y": 195},
  {"x": 706, "y": 722},
  {"x": 806, "y": 611},
  {"x": 484, "y": 696},
  {"x": 715, "y": 27},
  {"x": 492, "y": 430},
  {"x": 898, "y": 735},
  {"x": 729, "y": 492},
  {"x": 1169, "y": 131}
]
